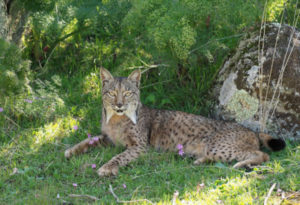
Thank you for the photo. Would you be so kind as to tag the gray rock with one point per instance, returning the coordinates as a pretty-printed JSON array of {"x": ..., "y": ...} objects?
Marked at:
[
  {"x": 256, "y": 97},
  {"x": 3, "y": 20}
]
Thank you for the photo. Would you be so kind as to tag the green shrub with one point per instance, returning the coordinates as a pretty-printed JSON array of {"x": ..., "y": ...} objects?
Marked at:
[
  {"x": 75, "y": 35},
  {"x": 290, "y": 10},
  {"x": 120, "y": 34},
  {"x": 14, "y": 70}
]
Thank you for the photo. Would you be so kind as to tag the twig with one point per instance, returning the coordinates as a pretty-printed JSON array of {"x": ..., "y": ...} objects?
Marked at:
[
  {"x": 95, "y": 181},
  {"x": 12, "y": 121},
  {"x": 260, "y": 63},
  {"x": 154, "y": 66},
  {"x": 148, "y": 67},
  {"x": 113, "y": 193},
  {"x": 42, "y": 67},
  {"x": 271, "y": 70},
  {"x": 266, "y": 109},
  {"x": 283, "y": 67},
  {"x": 175, "y": 195},
  {"x": 84, "y": 196},
  {"x": 124, "y": 202},
  {"x": 152, "y": 84},
  {"x": 297, "y": 193},
  {"x": 218, "y": 39},
  {"x": 269, "y": 194}
]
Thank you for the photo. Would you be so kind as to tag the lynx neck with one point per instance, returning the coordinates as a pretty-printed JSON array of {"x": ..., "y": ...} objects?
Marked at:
[{"x": 116, "y": 119}]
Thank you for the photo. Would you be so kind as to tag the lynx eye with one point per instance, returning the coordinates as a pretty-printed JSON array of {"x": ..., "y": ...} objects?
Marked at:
[
  {"x": 127, "y": 94},
  {"x": 111, "y": 93}
]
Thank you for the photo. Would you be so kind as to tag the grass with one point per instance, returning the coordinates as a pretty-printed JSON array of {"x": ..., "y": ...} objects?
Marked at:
[
  {"x": 34, "y": 170},
  {"x": 34, "y": 136}
]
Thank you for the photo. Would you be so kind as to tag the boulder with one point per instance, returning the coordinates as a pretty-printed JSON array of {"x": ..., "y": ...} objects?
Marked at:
[
  {"x": 3, "y": 20},
  {"x": 261, "y": 90}
]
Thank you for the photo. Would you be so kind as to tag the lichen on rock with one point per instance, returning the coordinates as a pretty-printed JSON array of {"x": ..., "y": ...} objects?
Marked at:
[
  {"x": 242, "y": 105},
  {"x": 245, "y": 86}
]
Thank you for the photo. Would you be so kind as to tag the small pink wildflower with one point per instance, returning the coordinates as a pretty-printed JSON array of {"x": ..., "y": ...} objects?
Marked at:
[
  {"x": 75, "y": 127},
  {"x": 96, "y": 139},
  {"x": 180, "y": 149},
  {"x": 74, "y": 185},
  {"x": 27, "y": 100},
  {"x": 89, "y": 135},
  {"x": 124, "y": 186},
  {"x": 219, "y": 201},
  {"x": 1, "y": 109},
  {"x": 93, "y": 166},
  {"x": 91, "y": 142},
  {"x": 179, "y": 146}
]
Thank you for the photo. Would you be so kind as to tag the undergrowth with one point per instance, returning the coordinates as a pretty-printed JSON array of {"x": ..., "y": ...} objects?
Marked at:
[{"x": 180, "y": 45}]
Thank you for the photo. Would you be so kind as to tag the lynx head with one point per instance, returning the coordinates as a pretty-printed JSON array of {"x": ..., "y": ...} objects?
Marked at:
[{"x": 120, "y": 95}]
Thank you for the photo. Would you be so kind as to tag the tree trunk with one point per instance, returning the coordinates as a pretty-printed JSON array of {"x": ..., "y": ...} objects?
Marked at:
[{"x": 13, "y": 18}]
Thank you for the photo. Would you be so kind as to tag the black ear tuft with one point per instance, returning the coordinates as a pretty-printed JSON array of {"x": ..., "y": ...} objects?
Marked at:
[
  {"x": 135, "y": 77},
  {"x": 276, "y": 144},
  {"x": 105, "y": 76}
]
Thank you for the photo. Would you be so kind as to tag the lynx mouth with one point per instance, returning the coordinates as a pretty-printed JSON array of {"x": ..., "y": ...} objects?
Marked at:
[{"x": 120, "y": 112}]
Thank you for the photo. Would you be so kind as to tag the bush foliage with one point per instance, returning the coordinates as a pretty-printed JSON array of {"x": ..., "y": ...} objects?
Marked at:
[
  {"x": 187, "y": 40},
  {"x": 14, "y": 70},
  {"x": 184, "y": 42},
  {"x": 51, "y": 85},
  {"x": 121, "y": 34}
]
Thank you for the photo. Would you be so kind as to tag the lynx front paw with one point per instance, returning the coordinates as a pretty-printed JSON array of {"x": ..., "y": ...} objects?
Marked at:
[
  {"x": 68, "y": 153},
  {"x": 108, "y": 170}
]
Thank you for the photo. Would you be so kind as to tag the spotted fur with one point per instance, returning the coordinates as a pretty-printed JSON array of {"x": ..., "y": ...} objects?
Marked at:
[{"x": 126, "y": 122}]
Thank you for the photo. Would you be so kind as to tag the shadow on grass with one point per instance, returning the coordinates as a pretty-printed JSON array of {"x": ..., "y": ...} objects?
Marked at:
[
  {"x": 47, "y": 175},
  {"x": 42, "y": 173}
]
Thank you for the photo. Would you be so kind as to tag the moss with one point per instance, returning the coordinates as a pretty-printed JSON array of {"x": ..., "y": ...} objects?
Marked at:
[{"x": 242, "y": 105}]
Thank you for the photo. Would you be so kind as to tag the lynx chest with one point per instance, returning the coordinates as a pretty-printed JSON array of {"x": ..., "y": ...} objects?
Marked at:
[{"x": 116, "y": 128}]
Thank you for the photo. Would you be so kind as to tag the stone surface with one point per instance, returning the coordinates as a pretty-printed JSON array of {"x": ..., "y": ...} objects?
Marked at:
[
  {"x": 3, "y": 20},
  {"x": 242, "y": 89}
]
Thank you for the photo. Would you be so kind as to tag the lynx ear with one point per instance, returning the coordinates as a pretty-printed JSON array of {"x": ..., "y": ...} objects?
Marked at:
[
  {"x": 105, "y": 76},
  {"x": 135, "y": 77}
]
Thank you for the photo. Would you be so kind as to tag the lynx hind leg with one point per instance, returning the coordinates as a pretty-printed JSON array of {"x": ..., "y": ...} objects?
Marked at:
[
  {"x": 83, "y": 146},
  {"x": 201, "y": 160},
  {"x": 252, "y": 158}
]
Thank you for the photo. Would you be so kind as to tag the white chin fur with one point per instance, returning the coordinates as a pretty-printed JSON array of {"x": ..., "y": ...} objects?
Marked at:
[
  {"x": 109, "y": 114},
  {"x": 130, "y": 113},
  {"x": 132, "y": 116}
]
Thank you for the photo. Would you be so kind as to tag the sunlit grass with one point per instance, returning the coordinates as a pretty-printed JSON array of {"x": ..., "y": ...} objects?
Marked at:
[
  {"x": 50, "y": 132},
  {"x": 156, "y": 176},
  {"x": 33, "y": 167},
  {"x": 226, "y": 190},
  {"x": 66, "y": 106}
]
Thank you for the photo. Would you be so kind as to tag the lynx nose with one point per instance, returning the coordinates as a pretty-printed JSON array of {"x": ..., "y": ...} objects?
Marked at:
[{"x": 119, "y": 105}]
